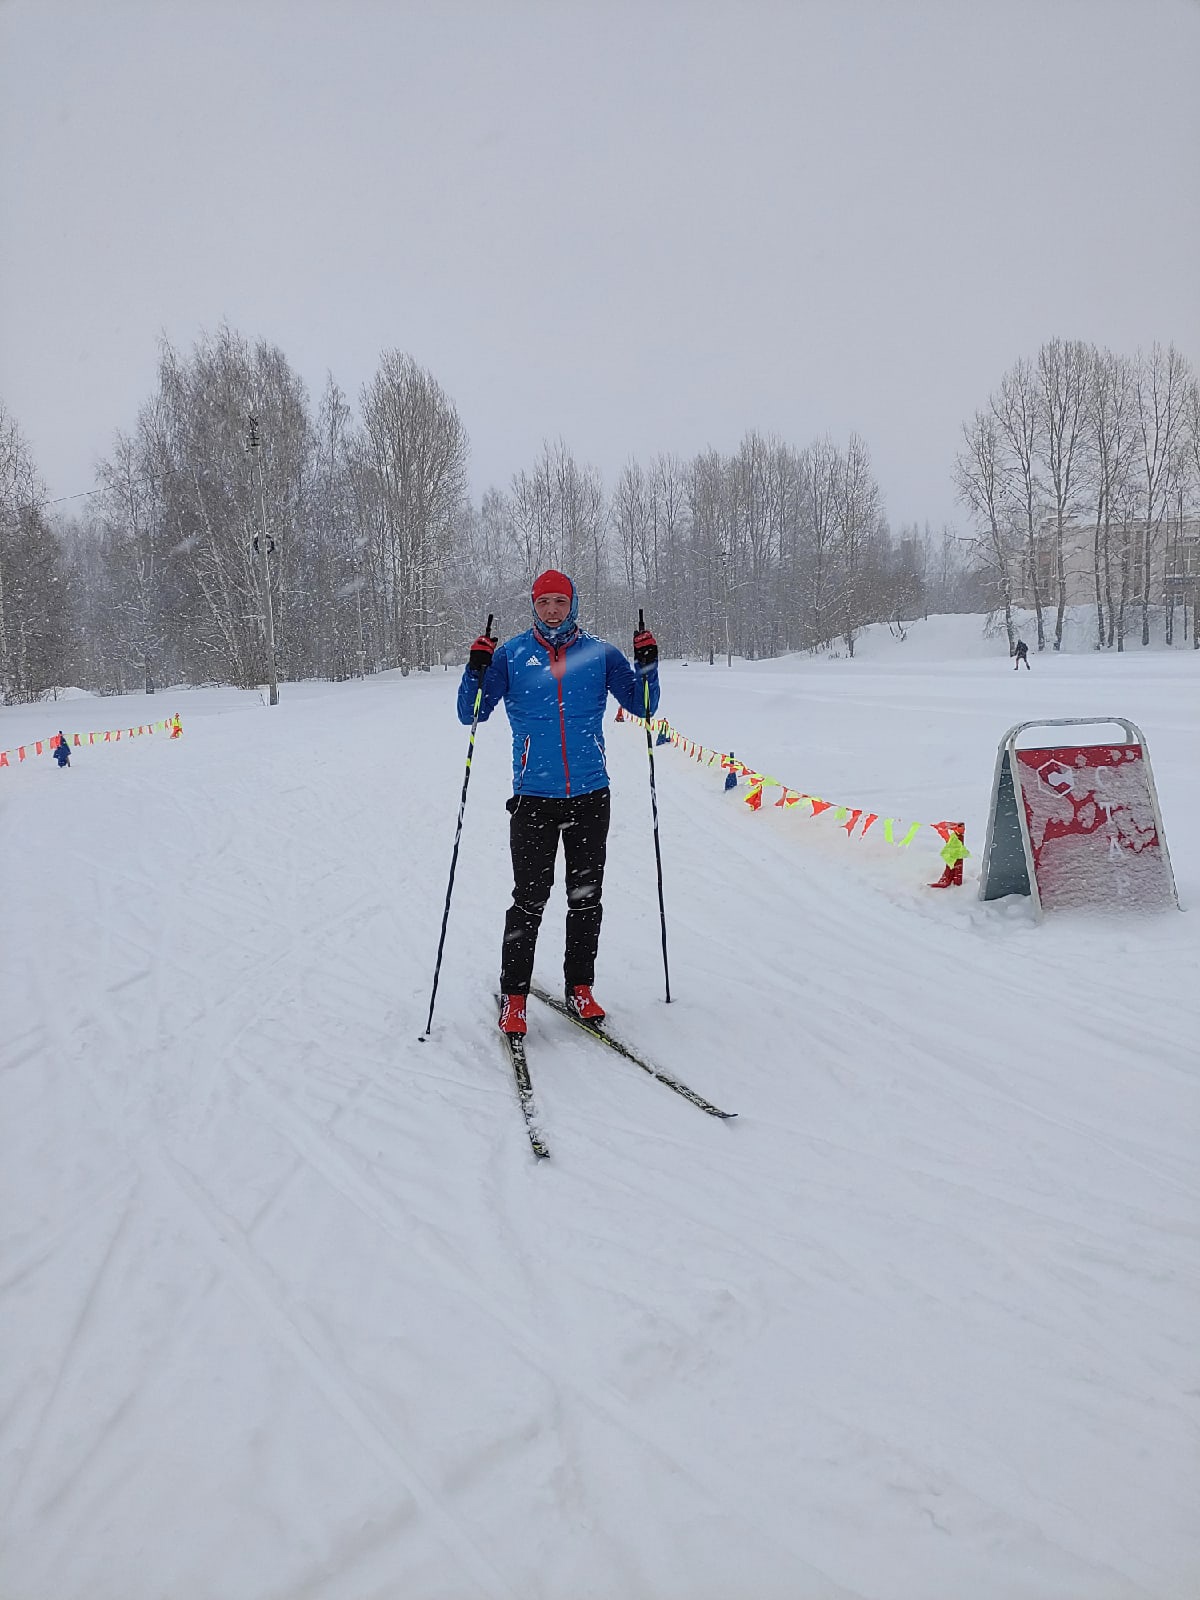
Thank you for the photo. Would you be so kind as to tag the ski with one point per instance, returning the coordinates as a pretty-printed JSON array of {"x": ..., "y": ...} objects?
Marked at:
[
  {"x": 516, "y": 1054},
  {"x": 598, "y": 1031}
]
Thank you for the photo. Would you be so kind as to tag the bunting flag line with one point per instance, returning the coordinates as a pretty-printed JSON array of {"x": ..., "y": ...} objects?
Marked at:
[
  {"x": 855, "y": 821},
  {"x": 37, "y": 747}
]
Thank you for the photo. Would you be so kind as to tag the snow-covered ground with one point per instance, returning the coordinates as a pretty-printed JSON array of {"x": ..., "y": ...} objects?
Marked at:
[{"x": 287, "y": 1308}]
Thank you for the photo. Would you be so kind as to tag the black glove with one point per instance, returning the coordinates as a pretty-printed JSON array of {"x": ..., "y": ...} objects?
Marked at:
[
  {"x": 480, "y": 658},
  {"x": 645, "y": 648}
]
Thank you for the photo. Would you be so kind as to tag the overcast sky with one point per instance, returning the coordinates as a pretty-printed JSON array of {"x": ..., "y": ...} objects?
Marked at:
[{"x": 640, "y": 227}]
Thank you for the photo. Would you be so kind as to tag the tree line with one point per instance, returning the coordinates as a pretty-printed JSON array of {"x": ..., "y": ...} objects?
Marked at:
[
  {"x": 1081, "y": 468},
  {"x": 352, "y": 530}
]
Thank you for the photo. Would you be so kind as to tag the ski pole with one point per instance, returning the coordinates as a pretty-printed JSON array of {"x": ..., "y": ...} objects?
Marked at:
[
  {"x": 662, "y": 912},
  {"x": 462, "y": 806}
]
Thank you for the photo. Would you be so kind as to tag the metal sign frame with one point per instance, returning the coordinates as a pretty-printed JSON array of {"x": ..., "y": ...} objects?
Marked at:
[{"x": 998, "y": 873}]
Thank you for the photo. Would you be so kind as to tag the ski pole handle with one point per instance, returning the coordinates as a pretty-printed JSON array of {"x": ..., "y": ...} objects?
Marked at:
[{"x": 482, "y": 650}]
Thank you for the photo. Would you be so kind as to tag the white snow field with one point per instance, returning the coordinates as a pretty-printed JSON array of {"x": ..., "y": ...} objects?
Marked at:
[{"x": 288, "y": 1309}]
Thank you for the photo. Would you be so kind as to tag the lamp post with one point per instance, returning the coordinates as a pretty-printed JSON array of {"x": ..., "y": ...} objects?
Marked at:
[{"x": 264, "y": 544}]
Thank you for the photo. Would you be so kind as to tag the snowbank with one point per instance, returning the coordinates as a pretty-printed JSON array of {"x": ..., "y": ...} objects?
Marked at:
[{"x": 286, "y": 1306}]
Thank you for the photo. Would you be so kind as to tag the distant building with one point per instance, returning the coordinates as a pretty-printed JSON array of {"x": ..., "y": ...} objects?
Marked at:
[{"x": 1174, "y": 561}]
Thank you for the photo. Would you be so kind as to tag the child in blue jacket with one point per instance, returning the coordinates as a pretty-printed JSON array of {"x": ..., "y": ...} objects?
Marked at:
[{"x": 555, "y": 681}]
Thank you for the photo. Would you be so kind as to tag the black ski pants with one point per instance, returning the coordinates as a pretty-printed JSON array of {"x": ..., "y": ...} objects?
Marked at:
[{"x": 534, "y": 829}]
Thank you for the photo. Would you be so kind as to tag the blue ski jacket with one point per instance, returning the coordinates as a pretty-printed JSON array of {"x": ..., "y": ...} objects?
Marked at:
[{"x": 555, "y": 700}]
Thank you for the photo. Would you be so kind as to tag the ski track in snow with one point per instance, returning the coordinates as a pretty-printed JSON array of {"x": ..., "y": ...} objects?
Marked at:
[{"x": 289, "y": 1310}]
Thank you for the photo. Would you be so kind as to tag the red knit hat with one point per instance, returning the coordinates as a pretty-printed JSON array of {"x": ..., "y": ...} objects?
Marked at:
[{"x": 552, "y": 582}]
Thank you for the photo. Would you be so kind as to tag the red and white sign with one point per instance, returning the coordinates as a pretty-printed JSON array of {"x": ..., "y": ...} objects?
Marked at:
[
  {"x": 1077, "y": 825},
  {"x": 1093, "y": 828}
]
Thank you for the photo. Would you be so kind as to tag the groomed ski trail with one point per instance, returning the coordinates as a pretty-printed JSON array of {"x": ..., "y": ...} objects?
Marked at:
[{"x": 269, "y": 1259}]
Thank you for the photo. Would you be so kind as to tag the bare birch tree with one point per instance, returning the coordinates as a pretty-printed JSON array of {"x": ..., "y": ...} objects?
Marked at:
[
  {"x": 1192, "y": 479},
  {"x": 858, "y": 509},
  {"x": 825, "y": 468},
  {"x": 632, "y": 518},
  {"x": 981, "y": 479},
  {"x": 1160, "y": 388},
  {"x": 1110, "y": 424},
  {"x": 669, "y": 594},
  {"x": 133, "y": 558},
  {"x": 34, "y": 602},
  {"x": 1016, "y": 409},
  {"x": 1062, "y": 375},
  {"x": 416, "y": 449}
]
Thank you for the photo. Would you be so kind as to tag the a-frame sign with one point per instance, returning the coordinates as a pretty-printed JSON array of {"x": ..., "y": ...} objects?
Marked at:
[{"x": 1077, "y": 825}]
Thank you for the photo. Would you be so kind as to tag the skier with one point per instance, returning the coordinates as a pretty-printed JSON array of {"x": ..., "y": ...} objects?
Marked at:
[
  {"x": 555, "y": 681},
  {"x": 62, "y": 752},
  {"x": 1022, "y": 654}
]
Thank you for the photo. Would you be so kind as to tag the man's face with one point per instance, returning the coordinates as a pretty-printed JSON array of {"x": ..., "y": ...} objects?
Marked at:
[{"x": 552, "y": 608}]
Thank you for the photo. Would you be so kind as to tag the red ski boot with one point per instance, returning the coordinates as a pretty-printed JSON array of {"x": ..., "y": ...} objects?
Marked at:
[
  {"x": 584, "y": 1003},
  {"x": 512, "y": 1013}
]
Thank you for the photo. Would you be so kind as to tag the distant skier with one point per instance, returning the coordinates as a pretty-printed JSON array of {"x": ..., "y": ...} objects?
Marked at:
[
  {"x": 62, "y": 752},
  {"x": 1022, "y": 654},
  {"x": 555, "y": 682}
]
